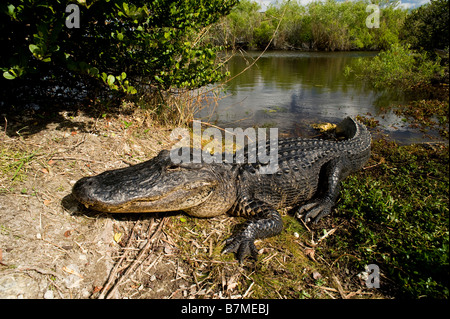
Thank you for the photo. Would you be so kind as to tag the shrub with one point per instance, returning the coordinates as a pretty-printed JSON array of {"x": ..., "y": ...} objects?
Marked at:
[
  {"x": 263, "y": 34},
  {"x": 427, "y": 26},
  {"x": 124, "y": 45},
  {"x": 399, "y": 67}
]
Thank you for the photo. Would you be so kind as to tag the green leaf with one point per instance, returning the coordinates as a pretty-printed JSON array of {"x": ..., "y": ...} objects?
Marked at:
[
  {"x": 111, "y": 79},
  {"x": 123, "y": 76},
  {"x": 93, "y": 71},
  {"x": 33, "y": 48},
  {"x": 8, "y": 75},
  {"x": 11, "y": 9}
]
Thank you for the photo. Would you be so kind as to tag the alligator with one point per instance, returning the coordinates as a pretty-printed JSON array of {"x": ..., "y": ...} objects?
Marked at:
[{"x": 307, "y": 180}]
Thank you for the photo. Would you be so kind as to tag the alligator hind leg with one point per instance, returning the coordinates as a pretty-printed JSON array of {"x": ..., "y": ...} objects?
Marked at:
[
  {"x": 266, "y": 223},
  {"x": 320, "y": 206}
]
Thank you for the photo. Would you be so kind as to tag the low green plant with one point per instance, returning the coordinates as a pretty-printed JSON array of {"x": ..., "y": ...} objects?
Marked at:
[
  {"x": 13, "y": 163},
  {"x": 398, "y": 213}
]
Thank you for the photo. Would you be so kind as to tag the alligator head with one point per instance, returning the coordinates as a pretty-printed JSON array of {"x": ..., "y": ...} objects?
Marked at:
[{"x": 160, "y": 185}]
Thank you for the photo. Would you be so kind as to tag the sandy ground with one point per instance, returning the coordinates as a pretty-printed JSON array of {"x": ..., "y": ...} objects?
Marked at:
[{"x": 50, "y": 247}]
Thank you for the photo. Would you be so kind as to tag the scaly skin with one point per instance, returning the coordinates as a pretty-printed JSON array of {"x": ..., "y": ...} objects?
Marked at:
[{"x": 308, "y": 177}]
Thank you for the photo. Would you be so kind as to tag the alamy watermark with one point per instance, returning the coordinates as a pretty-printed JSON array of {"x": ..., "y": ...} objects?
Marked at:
[
  {"x": 371, "y": 276},
  {"x": 373, "y": 19},
  {"x": 260, "y": 149},
  {"x": 73, "y": 19}
]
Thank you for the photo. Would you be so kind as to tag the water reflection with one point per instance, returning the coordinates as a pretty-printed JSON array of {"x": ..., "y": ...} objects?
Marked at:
[{"x": 291, "y": 90}]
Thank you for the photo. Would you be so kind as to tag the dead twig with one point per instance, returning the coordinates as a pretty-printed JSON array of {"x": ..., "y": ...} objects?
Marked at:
[
  {"x": 137, "y": 261},
  {"x": 115, "y": 270},
  {"x": 324, "y": 288},
  {"x": 248, "y": 292},
  {"x": 382, "y": 161},
  {"x": 343, "y": 255},
  {"x": 339, "y": 287},
  {"x": 304, "y": 224},
  {"x": 328, "y": 233},
  {"x": 349, "y": 295},
  {"x": 73, "y": 158},
  {"x": 72, "y": 272},
  {"x": 36, "y": 269}
]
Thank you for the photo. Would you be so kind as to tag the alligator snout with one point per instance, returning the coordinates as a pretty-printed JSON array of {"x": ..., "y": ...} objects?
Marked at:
[{"x": 83, "y": 190}]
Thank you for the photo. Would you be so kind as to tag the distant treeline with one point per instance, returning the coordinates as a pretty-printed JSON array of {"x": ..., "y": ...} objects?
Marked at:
[{"x": 324, "y": 26}]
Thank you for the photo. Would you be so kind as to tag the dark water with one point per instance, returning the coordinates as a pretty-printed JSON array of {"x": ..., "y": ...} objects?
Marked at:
[{"x": 291, "y": 90}]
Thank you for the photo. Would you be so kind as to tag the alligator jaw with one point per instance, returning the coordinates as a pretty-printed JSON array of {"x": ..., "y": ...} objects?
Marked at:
[{"x": 179, "y": 198}]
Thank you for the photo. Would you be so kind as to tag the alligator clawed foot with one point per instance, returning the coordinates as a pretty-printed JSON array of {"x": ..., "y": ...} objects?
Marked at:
[
  {"x": 241, "y": 246},
  {"x": 314, "y": 210}
]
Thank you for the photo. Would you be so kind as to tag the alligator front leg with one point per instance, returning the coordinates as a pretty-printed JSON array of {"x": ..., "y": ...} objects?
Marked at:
[
  {"x": 321, "y": 205},
  {"x": 266, "y": 223}
]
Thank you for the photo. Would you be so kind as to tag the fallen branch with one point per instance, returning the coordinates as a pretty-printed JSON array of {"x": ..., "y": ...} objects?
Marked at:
[
  {"x": 339, "y": 287},
  {"x": 138, "y": 259},
  {"x": 113, "y": 272}
]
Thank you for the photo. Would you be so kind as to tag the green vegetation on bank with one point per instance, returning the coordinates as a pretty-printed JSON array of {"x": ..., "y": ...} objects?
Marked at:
[
  {"x": 324, "y": 26},
  {"x": 153, "y": 52},
  {"x": 427, "y": 26},
  {"x": 398, "y": 218},
  {"x": 399, "y": 67}
]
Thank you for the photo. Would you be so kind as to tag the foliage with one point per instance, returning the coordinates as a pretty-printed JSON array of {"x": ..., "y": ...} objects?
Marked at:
[
  {"x": 263, "y": 34},
  {"x": 399, "y": 67},
  {"x": 400, "y": 220},
  {"x": 328, "y": 25},
  {"x": 126, "y": 45},
  {"x": 239, "y": 25},
  {"x": 427, "y": 26}
]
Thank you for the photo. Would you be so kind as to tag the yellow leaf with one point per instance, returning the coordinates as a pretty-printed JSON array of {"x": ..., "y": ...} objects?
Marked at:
[
  {"x": 324, "y": 127},
  {"x": 71, "y": 271},
  {"x": 117, "y": 237}
]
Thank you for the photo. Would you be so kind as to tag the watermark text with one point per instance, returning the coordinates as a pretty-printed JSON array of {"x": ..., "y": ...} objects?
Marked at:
[
  {"x": 73, "y": 19},
  {"x": 261, "y": 149},
  {"x": 373, "y": 20}
]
